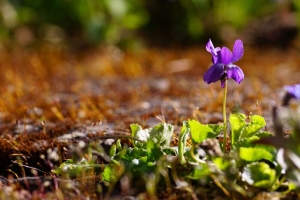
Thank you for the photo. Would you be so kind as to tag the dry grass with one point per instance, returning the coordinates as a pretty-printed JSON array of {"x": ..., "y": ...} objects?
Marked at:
[{"x": 52, "y": 91}]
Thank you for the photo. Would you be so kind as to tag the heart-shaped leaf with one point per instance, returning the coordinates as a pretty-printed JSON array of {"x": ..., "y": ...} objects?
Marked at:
[
  {"x": 257, "y": 153},
  {"x": 200, "y": 132},
  {"x": 259, "y": 174},
  {"x": 237, "y": 123}
]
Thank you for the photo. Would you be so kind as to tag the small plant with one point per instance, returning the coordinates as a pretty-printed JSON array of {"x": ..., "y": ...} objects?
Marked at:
[
  {"x": 255, "y": 162},
  {"x": 224, "y": 69}
]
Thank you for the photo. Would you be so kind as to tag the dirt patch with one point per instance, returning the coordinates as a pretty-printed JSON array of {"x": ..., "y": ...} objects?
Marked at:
[{"x": 52, "y": 97}]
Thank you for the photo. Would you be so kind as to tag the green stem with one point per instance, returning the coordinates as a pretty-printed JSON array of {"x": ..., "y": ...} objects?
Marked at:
[
  {"x": 224, "y": 116},
  {"x": 278, "y": 184},
  {"x": 194, "y": 156},
  {"x": 182, "y": 142}
]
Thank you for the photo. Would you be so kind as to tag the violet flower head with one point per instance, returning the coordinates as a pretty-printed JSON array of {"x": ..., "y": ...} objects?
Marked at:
[
  {"x": 292, "y": 92},
  {"x": 223, "y": 67}
]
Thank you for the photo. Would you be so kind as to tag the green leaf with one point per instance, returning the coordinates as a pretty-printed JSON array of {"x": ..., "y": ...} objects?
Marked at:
[
  {"x": 161, "y": 134},
  {"x": 132, "y": 153},
  {"x": 221, "y": 163},
  {"x": 107, "y": 174},
  {"x": 200, "y": 132},
  {"x": 257, "y": 153},
  {"x": 139, "y": 160},
  {"x": 112, "y": 150},
  {"x": 249, "y": 151},
  {"x": 138, "y": 133},
  {"x": 263, "y": 134},
  {"x": 240, "y": 129},
  {"x": 258, "y": 120},
  {"x": 245, "y": 142},
  {"x": 237, "y": 123},
  {"x": 134, "y": 129},
  {"x": 256, "y": 123},
  {"x": 217, "y": 129},
  {"x": 259, "y": 174},
  {"x": 250, "y": 141},
  {"x": 119, "y": 145}
]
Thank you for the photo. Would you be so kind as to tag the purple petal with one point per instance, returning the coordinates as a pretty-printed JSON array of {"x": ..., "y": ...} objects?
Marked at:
[
  {"x": 215, "y": 59},
  {"x": 214, "y": 73},
  {"x": 210, "y": 47},
  {"x": 238, "y": 51},
  {"x": 225, "y": 55},
  {"x": 214, "y": 51},
  {"x": 293, "y": 90},
  {"x": 235, "y": 73}
]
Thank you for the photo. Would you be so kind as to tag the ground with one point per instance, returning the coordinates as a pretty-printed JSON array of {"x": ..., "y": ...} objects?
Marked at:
[{"x": 53, "y": 97}]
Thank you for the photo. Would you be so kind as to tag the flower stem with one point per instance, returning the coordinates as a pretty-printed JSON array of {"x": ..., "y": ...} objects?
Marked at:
[{"x": 224, "y": 116}]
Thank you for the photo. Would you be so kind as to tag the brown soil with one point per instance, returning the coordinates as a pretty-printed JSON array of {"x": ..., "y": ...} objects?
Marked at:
[{"x": 51, "y": 93}]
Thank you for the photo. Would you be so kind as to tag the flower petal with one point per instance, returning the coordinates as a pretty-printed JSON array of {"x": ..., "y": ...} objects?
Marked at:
[
  {"x": 211, "y": 49},
  {"x": 214, "y": 73},
  {"x": 215, "y": 59},
  {"x": 210, "y": 46},
  {"x": 293, "y": 90},
  {"x": 225, "y": 55},
  {"x": 238, "y": 51},
  {"x": 234, "y": 72}
]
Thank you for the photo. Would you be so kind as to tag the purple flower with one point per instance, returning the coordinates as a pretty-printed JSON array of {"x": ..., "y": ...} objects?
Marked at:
[
  {"x": 223, "y": 67},
  {"x": 293, "y": 90}
]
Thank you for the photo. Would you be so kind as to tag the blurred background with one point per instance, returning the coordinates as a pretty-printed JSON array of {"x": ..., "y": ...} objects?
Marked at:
[{"x": 131, "y": 24}]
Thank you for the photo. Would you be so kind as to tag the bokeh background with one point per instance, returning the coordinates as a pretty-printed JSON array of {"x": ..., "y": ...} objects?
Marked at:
[
  {"x": 91, "y": 66},
  {"x": 130, "y": 24}
]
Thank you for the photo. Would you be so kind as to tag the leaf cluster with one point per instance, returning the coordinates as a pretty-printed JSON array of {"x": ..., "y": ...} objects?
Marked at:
[{"x": 246, "y": 169}]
